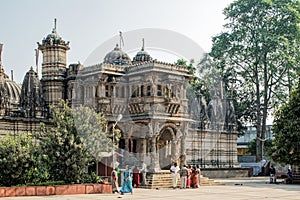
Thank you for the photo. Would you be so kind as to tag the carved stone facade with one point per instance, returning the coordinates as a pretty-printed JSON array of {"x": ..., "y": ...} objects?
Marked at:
[{"x": 158, "y": 126}]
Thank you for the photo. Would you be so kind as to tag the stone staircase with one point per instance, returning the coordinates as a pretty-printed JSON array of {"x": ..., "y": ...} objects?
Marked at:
[{"x": 163, "y": 179}]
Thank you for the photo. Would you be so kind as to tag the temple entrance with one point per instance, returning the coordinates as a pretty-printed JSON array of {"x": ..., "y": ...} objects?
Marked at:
[{"x": 164, "y": 146}]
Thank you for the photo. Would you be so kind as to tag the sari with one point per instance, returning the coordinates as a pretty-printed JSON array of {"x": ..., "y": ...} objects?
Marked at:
[
  {"x": 194, "y": 180},
  {"x": 136, "y": 177},
  {"x": 127, "y": 184}
]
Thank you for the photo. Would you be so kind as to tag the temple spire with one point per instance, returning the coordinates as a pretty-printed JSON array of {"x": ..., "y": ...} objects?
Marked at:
[
  {"x": 143, "y": 42},
  {"x": 1, "y": 46},
  {"x": 54, "y": 29},
  {"x": 121, "y": 40},
  {"x": 37, "y": 61}
]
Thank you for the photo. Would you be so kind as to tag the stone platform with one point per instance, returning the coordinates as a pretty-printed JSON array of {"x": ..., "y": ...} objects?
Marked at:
[{"x": 234, "y": 189}]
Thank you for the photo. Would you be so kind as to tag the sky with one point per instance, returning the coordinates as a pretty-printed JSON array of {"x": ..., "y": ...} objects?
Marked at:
[{"x": 89, "y": 23}]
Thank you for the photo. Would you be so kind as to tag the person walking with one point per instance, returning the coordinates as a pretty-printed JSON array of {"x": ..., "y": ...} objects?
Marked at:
[
  {"x": 272, "y": 174},
  {"x": 136, "y": 177},
  {"x": 174, "y": 170},
  {"x": 114, "y": 181},
  {"x": 183, "y": 176},
  {"x": 194, "y": 178},
  {"x": 119, "y": 177},
  {"x": 144, "y": 173},
  {"x": 127, "y": 184},
  {"x": 199, "y": 174},
  {"x": 189, "y": 180}
]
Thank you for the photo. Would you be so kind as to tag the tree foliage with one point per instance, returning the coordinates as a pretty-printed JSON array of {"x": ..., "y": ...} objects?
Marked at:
[
  {"x": 267, "y": 150},
  {"x": 60, "y": 152},
  {"x": 17, "y": 159},
  {"x": 91, "y": 127},
  {"x": 286, "y": 129},
  {"x": 259, "y": 53},
  {"x": 63, "y": 149}
]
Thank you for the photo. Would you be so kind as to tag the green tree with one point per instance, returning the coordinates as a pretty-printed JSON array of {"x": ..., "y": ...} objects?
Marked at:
[
  {"x": 286, "y": 129},
  {"x": 91, "y": 127},
  {"x": 17, "y": 159},
  {"x": 267, "y": 150},
  {"x": 259, "y": 49},
  {"x": 64, "y": 152}
]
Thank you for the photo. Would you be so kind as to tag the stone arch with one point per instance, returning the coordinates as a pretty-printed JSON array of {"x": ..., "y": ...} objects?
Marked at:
[
  {"x": 166, "y": 145},
  {"x": 169, "y": 126}
]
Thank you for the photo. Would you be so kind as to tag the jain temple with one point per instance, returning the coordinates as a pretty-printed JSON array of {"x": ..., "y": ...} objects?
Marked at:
[{"x": 160, "y": 124}]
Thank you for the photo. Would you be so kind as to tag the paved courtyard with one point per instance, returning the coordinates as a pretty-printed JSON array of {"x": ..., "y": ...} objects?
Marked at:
[{"x": 239, "y": 189}]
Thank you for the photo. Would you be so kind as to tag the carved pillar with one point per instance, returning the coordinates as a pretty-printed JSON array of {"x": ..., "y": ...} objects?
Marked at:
[
  {"x": 183, "y": 144},
  {"x": 183, "y": 151},
  {"x": 126, "y": 146},
  {"x": 143, "y": 149},
  {"x": 174, "y": 151},
  {"x": 154, "y": 157}
]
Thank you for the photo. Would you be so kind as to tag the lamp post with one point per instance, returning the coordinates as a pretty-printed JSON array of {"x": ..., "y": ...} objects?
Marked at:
[{"x": 113, "y": 137}]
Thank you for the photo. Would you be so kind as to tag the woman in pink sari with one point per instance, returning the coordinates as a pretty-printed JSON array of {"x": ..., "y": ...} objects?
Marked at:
[{"x": 188, "y": 182}]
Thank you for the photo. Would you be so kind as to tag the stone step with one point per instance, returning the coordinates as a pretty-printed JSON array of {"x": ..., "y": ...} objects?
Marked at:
[{"x": 163, "y": 179}]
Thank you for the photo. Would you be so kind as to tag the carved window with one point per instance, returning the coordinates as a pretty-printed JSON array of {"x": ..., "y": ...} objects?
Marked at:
[
  {"x": 133, "y": 91},
  {"x": 107, "y": 92},
  {"x": 137, "y": 88},
  {"x": 173, "y": 92},
  {"x": 111, "y": 90},
  {"x": 159, "y": 90},
  {"x": 149, "y": 90},
  {"x": 118, "y": 90},
  {"x": 98, "y": 91},
  {"x": 122, "y": 92},
  {"x": 142, "y": 91}
]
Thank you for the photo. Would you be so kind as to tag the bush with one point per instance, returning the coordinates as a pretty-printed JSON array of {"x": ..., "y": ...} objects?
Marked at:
[
  {"x": 48, "y": 183},
  {"x": 91, "y": 178},
  {"x": 17, "y": 159}
]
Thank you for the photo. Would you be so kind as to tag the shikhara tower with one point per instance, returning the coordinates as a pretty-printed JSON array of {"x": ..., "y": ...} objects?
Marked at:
[{"x": 54, "y": 50}]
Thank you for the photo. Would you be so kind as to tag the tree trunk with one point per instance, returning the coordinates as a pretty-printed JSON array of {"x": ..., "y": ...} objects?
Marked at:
[
  {"x": 265, "y": 104},
  {"x": 258, "y": 120}
]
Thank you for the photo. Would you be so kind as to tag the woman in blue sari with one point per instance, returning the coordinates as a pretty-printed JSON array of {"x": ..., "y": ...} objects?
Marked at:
[{"x": 127, "y": 184}]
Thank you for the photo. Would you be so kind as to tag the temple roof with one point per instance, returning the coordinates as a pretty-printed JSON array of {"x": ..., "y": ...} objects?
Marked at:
[
  {"x": 10, "y": 90},
  {"x": 53, "y": 39},
  {"x": 117, "y": 56},
  {"x": 31, "y": 94},
  {"x": 142, "y": 55}
]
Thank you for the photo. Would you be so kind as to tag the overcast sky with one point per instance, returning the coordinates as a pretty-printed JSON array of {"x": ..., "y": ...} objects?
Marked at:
[{"x": 89, "y": 23}]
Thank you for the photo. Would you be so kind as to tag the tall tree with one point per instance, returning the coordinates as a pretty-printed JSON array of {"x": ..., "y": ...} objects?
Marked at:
[
  {"x": 259, "y": 49},
  {"x": 91, "y": 127},
  {"x": 286, "y": 129},
  {"x": 63, "y": 149}
]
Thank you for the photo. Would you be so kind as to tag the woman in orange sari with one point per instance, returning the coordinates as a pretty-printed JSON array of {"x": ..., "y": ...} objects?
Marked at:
[{"x": 194, "y": 178}]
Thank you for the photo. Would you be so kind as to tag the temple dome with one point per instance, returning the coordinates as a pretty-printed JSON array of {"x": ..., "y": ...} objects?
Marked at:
[
  {"x": 53, "y": 35},
  {"x": 117, "y": 57},
  {"x": 54, "y": 39},
  {"x": 10, "y": 90},
  {"x": 142, "y": 55}
]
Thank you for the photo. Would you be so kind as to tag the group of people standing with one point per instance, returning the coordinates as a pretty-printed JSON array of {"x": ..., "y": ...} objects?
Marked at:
[
  {"x": 189, "y": 176},
  {"x": 131, "y": 178}
]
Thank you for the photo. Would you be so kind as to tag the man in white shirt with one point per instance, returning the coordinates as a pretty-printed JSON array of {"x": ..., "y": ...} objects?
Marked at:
[
  {"x": 174, "y": 170},
  {"x": 144, "y": 173}
]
